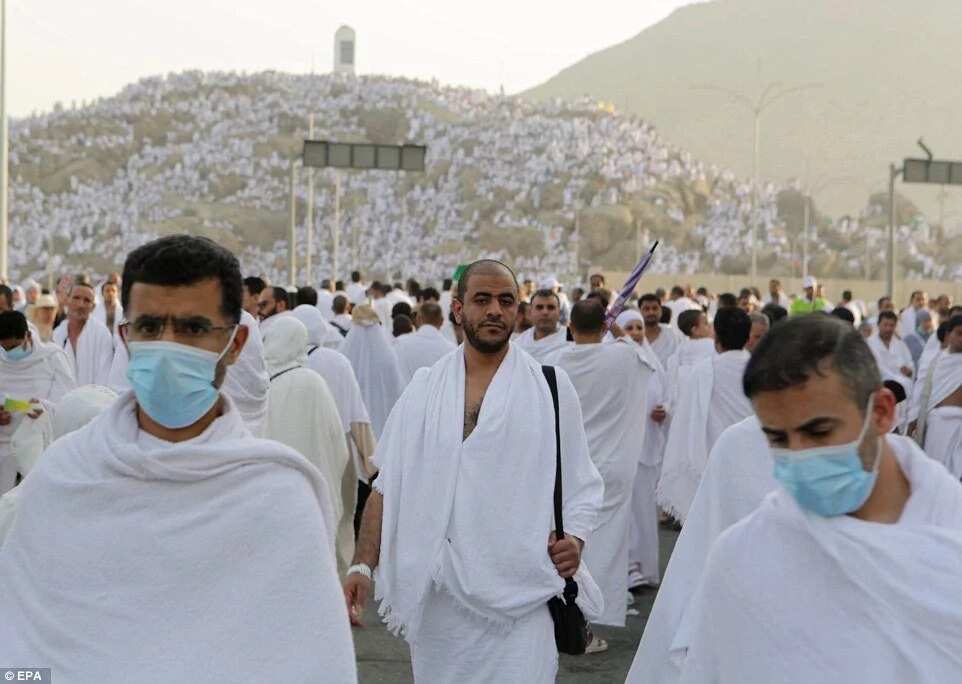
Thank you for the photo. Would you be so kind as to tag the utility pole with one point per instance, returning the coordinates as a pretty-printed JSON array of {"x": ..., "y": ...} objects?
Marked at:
[
  {"x": 336, "y": 228},
  {"x": 894, "y": 172},
  {"x": 292, "y": 236},
  {"x": 308, "y": 280},
  {"x": 770, "y": 94},
  {"x": 805, "y": 229},
  {"x": 4, "y": 170}
]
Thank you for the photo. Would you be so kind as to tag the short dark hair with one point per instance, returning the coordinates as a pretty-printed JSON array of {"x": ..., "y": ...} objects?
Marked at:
[
  {"x": 481, "y": 265},
  {"x": 254, "y": 285},
  {"x": 431, "y": 313},
  {"x": 942, "y": 331},
  {"x": 602, "y": 294},
  {"x": 401, "y": 309},
  {"x": 649, "y": 297},
  {"x": 887, "y": 315},
  {"x": 401, "y": 325},
  {"x": 429, "y": 293},
  {"x": 954, "y": 323},
  {"x": 7, "y": 294},
  {"x": 339, "y": 305},
  {"x": 842, "y": 313},
  {"x": 545, "y": 293},
  {"x": 665, "y": 315},
  {"x": 677, "y": 290},
  {"x": 775, "y": 312},
  {"x": 176, "y": 260},
  {"x": 587, "y": 316},
  {"x": 599, "y": 276},
  {"x": 355, "y": 276},
  {"x": 13, "y": 324},
  {"x": 339, "y": 285},
  {"x": 687, "y": 320},
  {"x": 847, "y": 295},
  {"x": 733, "y": 327},
  {"x": 727, "y": 299},
  {"x": 882, "y": 299},
  {"x": 307, "y": 295},
  {"x": 803, "y": 346},
  {"x": 446, "y": 286}
]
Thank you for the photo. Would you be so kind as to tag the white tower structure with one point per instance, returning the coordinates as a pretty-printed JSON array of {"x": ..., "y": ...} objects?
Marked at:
[{"x": 345, "y": 45}]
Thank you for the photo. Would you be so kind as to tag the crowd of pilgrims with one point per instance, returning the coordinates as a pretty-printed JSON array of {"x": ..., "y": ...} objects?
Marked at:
[
  {"x": 208, "y": 150},
  {"x": 199, "y": 470}
]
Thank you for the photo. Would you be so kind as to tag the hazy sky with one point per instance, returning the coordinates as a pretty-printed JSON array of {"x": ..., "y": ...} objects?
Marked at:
[{"x": 79, "y": 49}]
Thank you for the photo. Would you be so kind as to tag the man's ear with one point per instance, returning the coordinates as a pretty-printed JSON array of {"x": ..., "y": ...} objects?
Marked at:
[{"x": 237, "y": 346}]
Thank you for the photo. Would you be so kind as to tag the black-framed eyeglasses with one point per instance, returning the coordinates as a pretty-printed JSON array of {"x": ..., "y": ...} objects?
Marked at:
[{"x": 191, "y": 328}]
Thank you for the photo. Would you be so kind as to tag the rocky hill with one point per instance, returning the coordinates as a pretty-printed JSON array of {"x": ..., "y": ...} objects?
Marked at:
[{"x": 551, "y": 187}]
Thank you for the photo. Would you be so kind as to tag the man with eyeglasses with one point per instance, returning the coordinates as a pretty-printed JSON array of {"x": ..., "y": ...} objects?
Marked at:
[{"x": 170, "y": 540}]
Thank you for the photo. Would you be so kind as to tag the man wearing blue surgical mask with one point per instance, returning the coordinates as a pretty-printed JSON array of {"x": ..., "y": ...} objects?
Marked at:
[
  {"x": 849, "y": 570},
  {"x": 29, "y": 372},
  {"x": 165, "y": 508}
]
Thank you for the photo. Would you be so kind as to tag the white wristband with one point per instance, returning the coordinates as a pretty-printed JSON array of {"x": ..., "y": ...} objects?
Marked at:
[{"x": 361, "y": 569}]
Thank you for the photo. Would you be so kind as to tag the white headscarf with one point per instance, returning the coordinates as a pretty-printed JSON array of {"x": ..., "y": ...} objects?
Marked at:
[
  {"x": 247, "y": 380},
  {"x": 285, "y": 346},
  {"x": 627, "y": 316},
  {"x": 376, "y": 366},
  {"x": 320, "y": 333}
]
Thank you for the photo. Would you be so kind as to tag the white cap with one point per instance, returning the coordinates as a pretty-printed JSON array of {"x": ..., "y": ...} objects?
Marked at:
[
  {"x": 548, "y": 283},
  {"x": 809, "y": 281}
]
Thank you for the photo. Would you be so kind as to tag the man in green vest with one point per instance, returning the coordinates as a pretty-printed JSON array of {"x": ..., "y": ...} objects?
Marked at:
[{"x": 809, "y": 303}]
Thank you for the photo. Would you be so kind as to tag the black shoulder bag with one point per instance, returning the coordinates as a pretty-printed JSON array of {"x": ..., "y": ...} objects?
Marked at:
[{"x": 571, "y": 633}]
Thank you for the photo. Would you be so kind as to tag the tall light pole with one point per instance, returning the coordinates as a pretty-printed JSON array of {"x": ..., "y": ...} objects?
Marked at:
[
  {"x": 310, "y": 212},
  {"x": 4, "y": 236},
  {"x": 292, "y": 235},
  {"x": 894, "y": 172},
  {"x": 770, "y": 94}
]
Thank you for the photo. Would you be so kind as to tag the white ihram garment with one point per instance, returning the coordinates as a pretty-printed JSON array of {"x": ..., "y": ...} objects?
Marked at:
[
  {"x": 100, "y": 314},
  {"x": 45, "y": 375},
  {"x": 301, "y": 411},
  {"x": 667, "y": 342},
  {"x": 94, "y": 353},
  {"x": 612, "y": 383},
  {"x": 167, "y": 560},
  {"x": 320, "y": 333},
  {"x": 737, "y": 478},
  {"x": 790, "y": 596},
  {"x": 940, "y": 427},
  {"x": 466, "y": 521},
  {"x": 710, "y": 402},
  {"x": 541, "y": 350},
  {"x": 376, "y": 367},
  {"x": 421, "y": 349},
  {"x": 75, "y": 409}
]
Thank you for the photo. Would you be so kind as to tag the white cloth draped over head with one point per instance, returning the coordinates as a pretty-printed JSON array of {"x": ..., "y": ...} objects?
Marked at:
[
  {"x": 711, "y": 401},
  {"x": 301, "y": 411},
  {"x": 421, "y": 349},
  {"x": 45, "y": 375},
  {"x": 736, "y": 480},
  {"x": 541, "y": 349},
  {"x": 612, "y": 383},
  {"x": 247, "y": 381},
  {"x": 789, "y": 596},
  {"x": 133, "y": 539},
  {"x": 94, "y": 354},
  {"x": 376, "y": 368},
  {"x": 473, "y": 516},
  {"x": 77, "y": 408},
  {"x": 940, "y": 427},
  {"x": 320, "y": 333}
]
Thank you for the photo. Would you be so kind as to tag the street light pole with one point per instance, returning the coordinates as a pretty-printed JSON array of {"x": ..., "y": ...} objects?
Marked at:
[
  {"x": 771, "y": 94},
  {"x": 4, "y": 236},
  {"x": 310, "y": 213},
  {"x": 336, "y": 228},
  {"x": 292, "y": 235},
  {"x": 890, "y": 255}
]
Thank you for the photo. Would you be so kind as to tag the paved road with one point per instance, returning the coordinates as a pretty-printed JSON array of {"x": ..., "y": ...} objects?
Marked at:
[{"x": 383, "y": 659}]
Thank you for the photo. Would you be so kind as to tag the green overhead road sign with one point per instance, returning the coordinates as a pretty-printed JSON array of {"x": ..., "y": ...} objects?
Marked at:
[
  {"x": 365, "y": 156},
  {"x": 936, "y": 171}
]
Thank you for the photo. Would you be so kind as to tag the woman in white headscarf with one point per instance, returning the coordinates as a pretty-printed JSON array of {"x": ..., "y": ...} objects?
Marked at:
[
  {"x": 375, "y": 365},
  {"x": 74, "y": 410},
  {"x": 301, "y": 410}
]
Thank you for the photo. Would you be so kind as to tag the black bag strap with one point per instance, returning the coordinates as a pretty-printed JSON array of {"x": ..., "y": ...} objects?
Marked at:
[{"x": 552, "y": 379}]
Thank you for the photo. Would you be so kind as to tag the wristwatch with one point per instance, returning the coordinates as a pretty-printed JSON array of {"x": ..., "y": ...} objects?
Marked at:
[{"x": 361, "y": 569}]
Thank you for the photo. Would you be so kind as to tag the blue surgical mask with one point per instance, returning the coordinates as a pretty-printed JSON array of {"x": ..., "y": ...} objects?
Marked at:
[
  {"x": 174, "y": 383},
  {"x": 17, "y": 353},
  {"x": 829, "y": 480}
]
